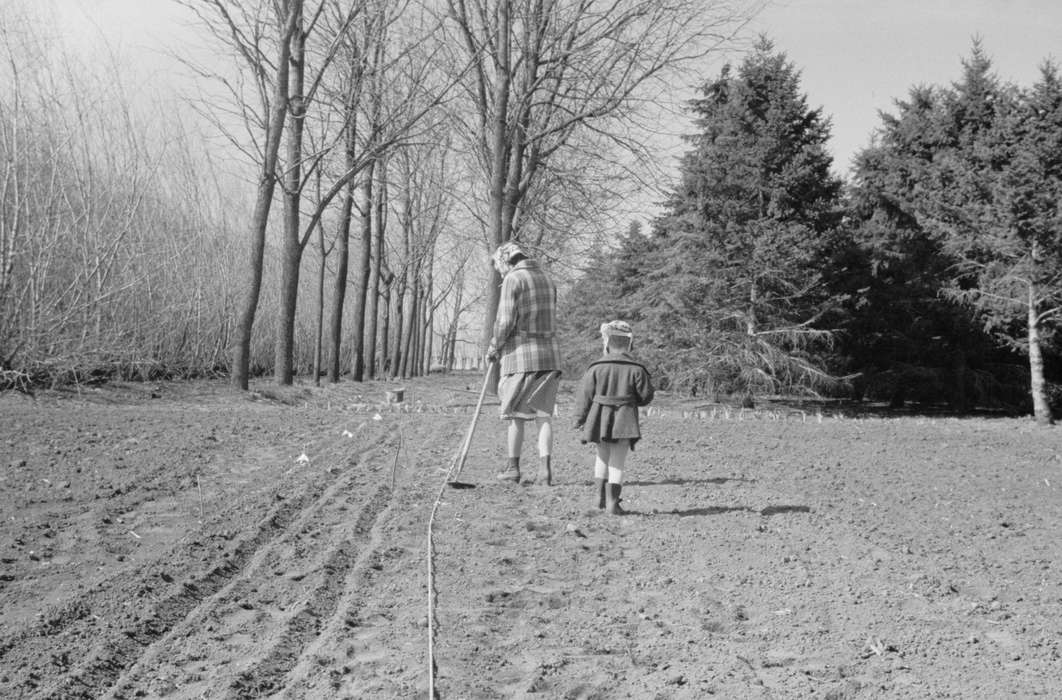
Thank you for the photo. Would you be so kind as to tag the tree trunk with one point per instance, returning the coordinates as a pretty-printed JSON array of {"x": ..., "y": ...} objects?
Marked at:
[
  {"x": 385, "y": 330},
  {"x": 450, "y": 354},
  {"x": 377, "y": 272},
  {"x": 499, "y": 151},
  {"x": 422, "y": 317},
  {"x": 397, "y": 323},
  {"x": 751, "y": 322},
  {"x": 409, "y": 326},
  {"x": 414, "y": 332},
  {"x": 318, "y": 345},
  {"x": 241, "y": 359},
  {"x": 339, "y": 289},
  {"x": 1038, "y": 387},
  {"x": 428, "y": 321},
  {"x": 364, "y": 269},
  {"x": 291, "y": 259}
]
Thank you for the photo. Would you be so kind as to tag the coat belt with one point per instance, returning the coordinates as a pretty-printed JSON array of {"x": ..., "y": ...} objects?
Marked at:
[
  {"x": 614, "y": 400},
  {"x": 537, "y": 335}
]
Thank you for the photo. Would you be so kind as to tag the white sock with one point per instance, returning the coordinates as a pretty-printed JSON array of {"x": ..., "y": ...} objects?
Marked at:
[
  {"x": 601, "y": 461},
  {"x": 616, "y": 459}
]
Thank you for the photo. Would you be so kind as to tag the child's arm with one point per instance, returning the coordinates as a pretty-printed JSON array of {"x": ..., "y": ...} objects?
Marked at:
[{"x": 644, "y": 388}]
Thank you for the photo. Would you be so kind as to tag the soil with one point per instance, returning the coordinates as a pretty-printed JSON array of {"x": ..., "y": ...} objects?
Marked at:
[{"x": 186, "y": 540}]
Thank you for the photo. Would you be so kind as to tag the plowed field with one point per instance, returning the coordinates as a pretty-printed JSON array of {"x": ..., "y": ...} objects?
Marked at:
[{"x": 184, "y": 540}]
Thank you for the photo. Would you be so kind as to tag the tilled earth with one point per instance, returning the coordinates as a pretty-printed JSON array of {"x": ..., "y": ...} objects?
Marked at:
[{"x": 185, "y": 540}]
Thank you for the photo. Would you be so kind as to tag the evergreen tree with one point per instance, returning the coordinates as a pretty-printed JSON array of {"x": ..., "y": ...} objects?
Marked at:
[
  {"x": 601, "y": 293},
  {"x": 905, "y": 341},
  {"x": 972, "y": 174},
  {"x": 731, "y": 285}
]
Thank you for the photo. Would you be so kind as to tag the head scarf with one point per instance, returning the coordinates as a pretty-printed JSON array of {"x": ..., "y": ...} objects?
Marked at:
[{"x": 506, "y": 252}]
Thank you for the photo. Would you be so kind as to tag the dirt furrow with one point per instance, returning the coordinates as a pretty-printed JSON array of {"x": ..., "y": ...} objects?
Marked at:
[
  {"x": 123, "y": 646},
  {"x": 287, "y": 542},
  {"x": 268, "y": 675},
  {"x": 128, "y": 635}
]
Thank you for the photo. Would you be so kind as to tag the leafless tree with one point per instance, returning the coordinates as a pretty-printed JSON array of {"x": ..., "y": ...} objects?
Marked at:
[
  {"x": 340, "y": 64},
  {"x": 379, "y": 273},
  {"x": 547, "y": 71},
  {"x": 103, "y": 224},
  {"x": 262, "y": 38}
]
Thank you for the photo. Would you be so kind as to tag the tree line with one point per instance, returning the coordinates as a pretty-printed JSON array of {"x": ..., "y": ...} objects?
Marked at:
[
  {"x": 933, "y": 275},
  {"x": 351, "y": 165},
  {"x": 383, "y": 149}
]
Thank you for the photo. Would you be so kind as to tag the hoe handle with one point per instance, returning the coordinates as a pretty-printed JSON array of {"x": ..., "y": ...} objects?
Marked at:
[{"x": 472, "y": 428}]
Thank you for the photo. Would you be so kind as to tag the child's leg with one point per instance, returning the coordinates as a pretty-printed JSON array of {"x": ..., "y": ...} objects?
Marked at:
[
  {"x": 616, "y": 459},
  {"x": 601, "y": 462},
  {"x": 601, "y": 472}
]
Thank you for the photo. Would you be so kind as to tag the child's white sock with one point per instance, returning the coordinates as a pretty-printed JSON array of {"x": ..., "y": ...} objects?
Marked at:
[
  {"x": 601, "y": 461},
  {"x": 617, "y": 457}
]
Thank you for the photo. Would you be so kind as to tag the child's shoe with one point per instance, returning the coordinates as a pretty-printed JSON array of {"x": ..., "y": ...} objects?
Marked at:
[
  {"x": 612, "y": 504},
  {"x": 599, "y": 486},
  {"x": 545, "y": 472}
]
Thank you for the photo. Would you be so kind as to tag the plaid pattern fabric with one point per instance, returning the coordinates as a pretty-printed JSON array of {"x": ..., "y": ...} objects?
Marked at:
[{"x": 525, "y": 330}]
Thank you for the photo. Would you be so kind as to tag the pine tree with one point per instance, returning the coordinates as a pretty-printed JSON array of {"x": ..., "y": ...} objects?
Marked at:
[
  {"x": 601, "y": 293},
  {"x": 732, "y": 284},
  {"x": 902, "y": 339},
  {"x": 970, "y": 173}
]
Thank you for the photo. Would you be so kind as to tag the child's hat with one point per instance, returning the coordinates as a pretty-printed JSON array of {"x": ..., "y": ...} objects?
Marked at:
[{"x": 621, "y": 328}]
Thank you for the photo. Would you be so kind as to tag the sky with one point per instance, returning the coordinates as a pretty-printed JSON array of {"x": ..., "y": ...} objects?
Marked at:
[{"x": 855, "y": 56}]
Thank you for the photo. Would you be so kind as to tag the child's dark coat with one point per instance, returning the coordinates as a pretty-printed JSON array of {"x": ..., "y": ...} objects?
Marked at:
[{"x": 607, "y": 402}]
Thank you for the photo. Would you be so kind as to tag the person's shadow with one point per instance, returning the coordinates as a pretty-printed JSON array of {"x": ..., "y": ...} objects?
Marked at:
[
  {"x": 676, "y": 481},
  {"x": 707, "y": 510},
  {"x": 720, "y": 510}
]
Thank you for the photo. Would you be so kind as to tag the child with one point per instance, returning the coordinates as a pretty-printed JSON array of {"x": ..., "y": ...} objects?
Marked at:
[{"x": 606, "y": 409}]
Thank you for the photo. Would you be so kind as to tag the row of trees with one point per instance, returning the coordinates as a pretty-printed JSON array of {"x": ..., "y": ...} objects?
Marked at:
[
  {"x": 353, "y": 96},
  {"x": 387, "y": 147},
  {"x": 930, "y": 276},
  {"x": 381, "y": 150}
]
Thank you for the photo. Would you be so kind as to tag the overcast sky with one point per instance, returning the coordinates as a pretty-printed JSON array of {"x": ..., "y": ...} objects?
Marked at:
[{"x": 856, "y": 56}]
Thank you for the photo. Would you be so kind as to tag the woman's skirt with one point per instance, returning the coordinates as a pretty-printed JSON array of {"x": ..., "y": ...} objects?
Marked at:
[{"x": 526, "y": 394}]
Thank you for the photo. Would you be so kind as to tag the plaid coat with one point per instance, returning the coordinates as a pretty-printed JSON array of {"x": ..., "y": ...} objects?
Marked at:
[
  {"x": 525, "y": 330},
  {"x": 606, "y": 404}
]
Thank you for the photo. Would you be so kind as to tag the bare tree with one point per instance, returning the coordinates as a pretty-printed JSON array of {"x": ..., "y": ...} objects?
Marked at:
[
  {"x": 361, "y": 289},
  {"x": 324, "y": 250},
  {"x": 245, "y": 26},
  {"x": 548, "y": 70},
  {"x": 300, "y": 85},
  {"x": 385, "y": 92},
  {"x": 104, "y": 252},
  {"x": 378, "y": 272}
]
